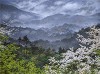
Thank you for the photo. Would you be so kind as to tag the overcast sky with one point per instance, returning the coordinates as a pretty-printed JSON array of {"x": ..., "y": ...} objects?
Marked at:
[{"x": 50, "y": 7}]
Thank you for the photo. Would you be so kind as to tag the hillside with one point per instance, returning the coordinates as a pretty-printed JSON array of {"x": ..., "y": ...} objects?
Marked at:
[
  {"x": 67, "y": 42},
  {"x": 53, "y": 34},
  {"x": 84, "y": 58},
  {"x": 49, "y": 38}
]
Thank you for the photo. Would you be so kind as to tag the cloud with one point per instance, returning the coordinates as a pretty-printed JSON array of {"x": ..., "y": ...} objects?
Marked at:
[
  {"x": 71, "y": 6},
  {"x": 45, "y": 10},
  {"x": 24, "y": 17},
  {"x": 29, "y": 4},
  {"x": 40, "y": 9},
  {"x": 58, "y": 2},
  {"x": 50, "y": 7},
  {"x": 90, "y": 7}
]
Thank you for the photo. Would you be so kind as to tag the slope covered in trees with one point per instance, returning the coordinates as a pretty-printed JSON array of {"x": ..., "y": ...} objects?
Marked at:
[
  {"x": 22, "y": 57},
  {"x": 84, "y": 60},
  {"x": 18, "y": 59}
]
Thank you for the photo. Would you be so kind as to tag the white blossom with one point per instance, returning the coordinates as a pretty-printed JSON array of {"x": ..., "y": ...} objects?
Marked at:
[{"x": 82, "y": 53}]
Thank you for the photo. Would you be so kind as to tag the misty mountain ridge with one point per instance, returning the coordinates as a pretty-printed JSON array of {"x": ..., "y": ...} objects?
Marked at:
[
  {"x": 43, "y": 39},
  {"x": 32, "y": 20},
  {"x": 53, "y": 34},
  {"x": 67, "y": 43},
  {"x": 10, "y": 12},
  {"x": 51, "y": 31}
]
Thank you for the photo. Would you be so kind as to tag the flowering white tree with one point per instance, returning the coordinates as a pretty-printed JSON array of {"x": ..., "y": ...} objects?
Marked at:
[{"x": 82, "y": 61}]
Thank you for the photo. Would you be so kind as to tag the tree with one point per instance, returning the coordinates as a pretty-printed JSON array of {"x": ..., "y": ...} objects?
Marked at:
[
  {"x": 25, "y": 38},
  {"x": 61, "y": 50},
  {"x": 11, "y": 64},
  {"x": 19, "y": 40},
  {"x": 85, "y": 60}
]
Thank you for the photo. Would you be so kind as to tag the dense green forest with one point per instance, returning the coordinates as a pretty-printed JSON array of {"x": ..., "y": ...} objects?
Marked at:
[{"x": 16, "y": 59}]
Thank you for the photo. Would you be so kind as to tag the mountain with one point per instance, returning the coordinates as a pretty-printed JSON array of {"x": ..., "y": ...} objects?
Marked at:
[
  {"x": 56, "y": 19},
  {"x": 43, "y": 38},
  {"x": 53, "y": 34},
  {"x": 67, "y": 42},
  {"x": 32, "y": 20},
  {"x": 97, "y": 16},
  {"x": 18, "y": 16},
  {"x": 59, "y": 19}
]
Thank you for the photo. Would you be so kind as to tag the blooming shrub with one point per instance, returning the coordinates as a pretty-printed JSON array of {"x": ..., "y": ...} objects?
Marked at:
[{"x": 82, "y": 61}]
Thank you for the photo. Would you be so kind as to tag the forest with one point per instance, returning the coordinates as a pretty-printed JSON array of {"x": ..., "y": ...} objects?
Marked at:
[
  {"x": 49, "y": 36},
  {"x": 25, "y": 58}
]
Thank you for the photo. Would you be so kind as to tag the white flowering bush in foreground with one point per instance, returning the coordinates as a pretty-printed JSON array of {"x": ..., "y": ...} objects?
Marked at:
[{"x": 84, "y": 60}]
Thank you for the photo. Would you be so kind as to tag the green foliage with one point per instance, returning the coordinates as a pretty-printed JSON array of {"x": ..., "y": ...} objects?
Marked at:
[
  {"x": 98, "y": 52},
  {"x": 16, "y": 59},
  {"x": 9, "y": 64},
  {"x": 3, "y": 38}
]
